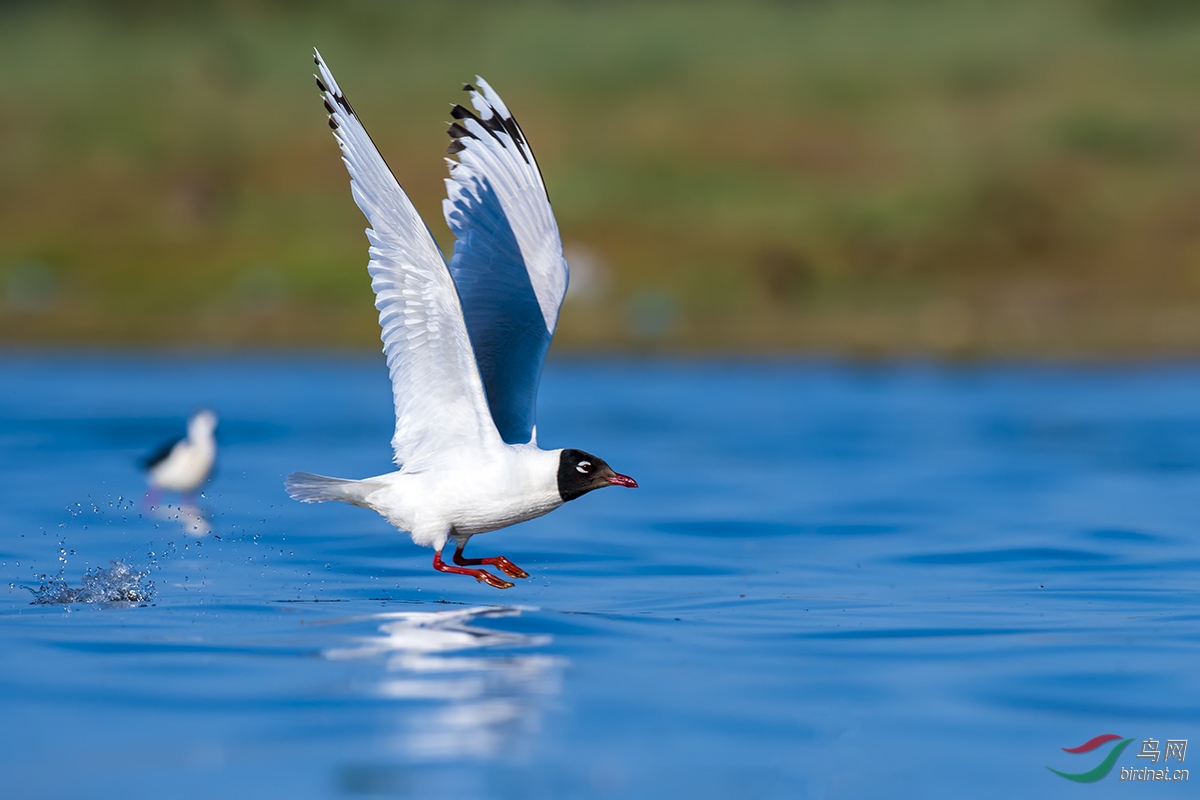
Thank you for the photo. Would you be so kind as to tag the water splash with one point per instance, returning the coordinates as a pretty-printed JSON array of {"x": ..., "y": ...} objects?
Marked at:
[
  {"x": 120, "y": 583},
  {"x": 192, "y": 519}
]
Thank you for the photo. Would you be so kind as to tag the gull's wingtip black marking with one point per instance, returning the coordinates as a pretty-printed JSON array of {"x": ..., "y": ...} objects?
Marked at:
[
  {"x": 321, "y": 85},
  {"x": 455, "y": 147},
  {"x": 457, "y": 131},
  {"x": 332, "y": 124},
  {"x": 316, "y": 59},
  {"x": 495, "y": 124},
  {"x": 492, "y": 124},
  {"x": 328, "y": 108}
]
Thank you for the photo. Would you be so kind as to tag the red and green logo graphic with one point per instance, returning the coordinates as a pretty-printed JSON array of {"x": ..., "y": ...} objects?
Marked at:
[{"x": 1104, "y": 767}]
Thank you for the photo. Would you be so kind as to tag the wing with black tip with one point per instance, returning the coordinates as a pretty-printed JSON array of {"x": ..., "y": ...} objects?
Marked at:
[
  {"x": 439, "y": 398},
  {"x": 508, "y": 262}
]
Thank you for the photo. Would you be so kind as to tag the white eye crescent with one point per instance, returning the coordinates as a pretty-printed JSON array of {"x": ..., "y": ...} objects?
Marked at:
[{"x": 584, "y": 466}]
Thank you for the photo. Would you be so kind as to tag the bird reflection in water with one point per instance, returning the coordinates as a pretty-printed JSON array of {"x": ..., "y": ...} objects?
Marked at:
[
  {"x": 191, "y": 518},
  {"x": 481, "y": 705}
]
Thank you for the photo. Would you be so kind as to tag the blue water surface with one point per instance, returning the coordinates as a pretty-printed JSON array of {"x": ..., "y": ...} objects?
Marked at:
[{"x": 834, "y": 581}]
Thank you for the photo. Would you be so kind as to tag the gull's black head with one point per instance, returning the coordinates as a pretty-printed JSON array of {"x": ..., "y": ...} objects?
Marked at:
[{"x": 580, "y": 472}]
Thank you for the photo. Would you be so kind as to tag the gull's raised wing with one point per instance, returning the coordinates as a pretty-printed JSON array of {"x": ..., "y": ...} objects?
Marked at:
[
  {"x": 508, "y": 262},
  {"x": 440, "y": 402}
]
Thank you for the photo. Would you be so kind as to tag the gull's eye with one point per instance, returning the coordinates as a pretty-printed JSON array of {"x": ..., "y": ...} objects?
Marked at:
[{"x": 584, "y": 466}]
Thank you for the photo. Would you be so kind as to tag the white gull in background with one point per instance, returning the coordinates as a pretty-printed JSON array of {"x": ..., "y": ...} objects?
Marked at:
[
  {"x": 464, "y": 342},
  {"x": 183, "y": 465}
]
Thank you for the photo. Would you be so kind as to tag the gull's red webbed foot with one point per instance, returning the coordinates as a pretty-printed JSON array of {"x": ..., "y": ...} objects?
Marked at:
[
  {"x": 478, "y": 574},
  {"x": 500, "y": 562}
]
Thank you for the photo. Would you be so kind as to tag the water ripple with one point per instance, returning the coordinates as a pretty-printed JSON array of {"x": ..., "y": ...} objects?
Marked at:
[
  {"x": 917, "y": 633},
  {"x": 480, "y": 703},
  {"x": 1005, "y": 556}
]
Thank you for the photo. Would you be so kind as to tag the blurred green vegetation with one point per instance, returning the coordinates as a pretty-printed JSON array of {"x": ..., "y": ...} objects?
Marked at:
[{"x": 876, "y": 177}]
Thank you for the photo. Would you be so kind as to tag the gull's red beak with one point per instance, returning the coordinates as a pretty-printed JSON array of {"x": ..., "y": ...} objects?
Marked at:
[{"x": 617, "y": 479}]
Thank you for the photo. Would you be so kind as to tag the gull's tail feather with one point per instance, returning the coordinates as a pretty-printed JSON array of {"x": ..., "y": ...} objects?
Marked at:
[{"x": 309, "y": 488}]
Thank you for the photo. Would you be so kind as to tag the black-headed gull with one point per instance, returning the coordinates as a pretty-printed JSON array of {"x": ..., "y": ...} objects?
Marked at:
[
  {"x": 183, "y": 465},
  {"x": 464, "y": 342}
]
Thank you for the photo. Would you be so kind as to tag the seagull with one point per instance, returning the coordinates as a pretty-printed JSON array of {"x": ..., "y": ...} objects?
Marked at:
[
  {"x": 464, "y": 341},
  {"x": 183, "y": 465}
]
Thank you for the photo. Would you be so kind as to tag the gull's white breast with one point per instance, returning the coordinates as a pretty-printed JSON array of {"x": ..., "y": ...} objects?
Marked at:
[{"x": 469, "y": 492}]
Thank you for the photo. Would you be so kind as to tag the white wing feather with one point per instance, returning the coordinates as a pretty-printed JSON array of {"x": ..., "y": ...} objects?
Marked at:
[
  {"x": 508, "y": 262},
  {"x": 439, "y": 397}
]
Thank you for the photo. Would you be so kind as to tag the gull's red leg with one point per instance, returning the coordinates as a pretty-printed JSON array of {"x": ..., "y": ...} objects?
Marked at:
[
  {"x": 500, "y": 562},
  {"x": 478, "y": 574}
]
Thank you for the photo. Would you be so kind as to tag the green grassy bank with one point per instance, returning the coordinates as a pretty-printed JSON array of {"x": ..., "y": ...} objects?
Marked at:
[{"x": 957, "y": 178}]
